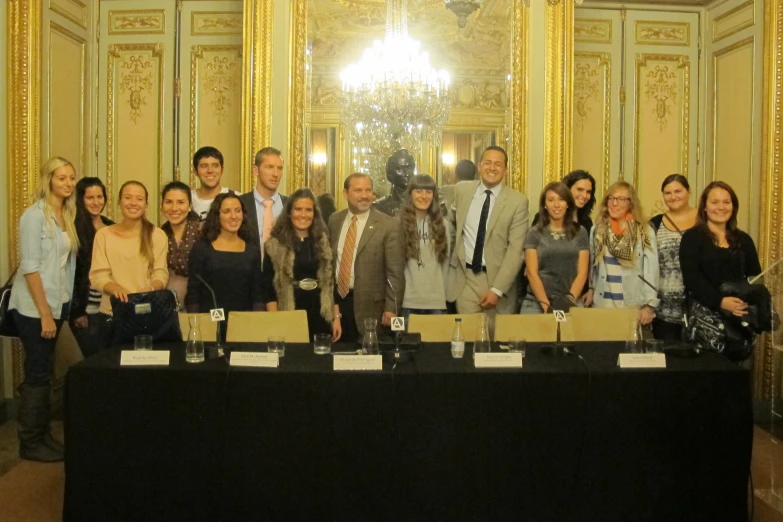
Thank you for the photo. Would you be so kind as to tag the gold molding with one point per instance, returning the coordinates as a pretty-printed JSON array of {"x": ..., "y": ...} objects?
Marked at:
[
  {"x": 153, "y": 23},
  {"x": 23, "y": 133},
  {"x": 257, "y": 84},
  {"x": 114, "y": 52},
  {"x": 717, "y": 36},
  {"x": 519, "y": 97},
  {"x": 84, "y": 96},
  {"x": 81, "y": 22},
  {"x": 297, "y": 91},
  {"x": 197, "y": 52},
  {"x": 767, "y": 361},
  {"x": 683, "y": 62},
  {"x": 589, "y": 30},
  {"x": 604, "y": 60},
  {"x": 558, "y": 149}
]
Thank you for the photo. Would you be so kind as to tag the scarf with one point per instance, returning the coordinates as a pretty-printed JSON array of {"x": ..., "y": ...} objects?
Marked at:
[
  {"x": 618, "y": 237},
  {"x": 178, "y": 254}
]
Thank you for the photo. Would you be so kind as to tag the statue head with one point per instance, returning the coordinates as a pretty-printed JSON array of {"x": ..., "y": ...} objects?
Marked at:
[{"x": 400, "y": 168}]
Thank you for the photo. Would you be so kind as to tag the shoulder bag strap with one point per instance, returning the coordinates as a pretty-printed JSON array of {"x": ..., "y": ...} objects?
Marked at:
[{"x": 666, "y": 215}]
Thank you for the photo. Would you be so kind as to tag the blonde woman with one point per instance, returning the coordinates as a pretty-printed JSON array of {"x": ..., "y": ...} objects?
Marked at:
[
  {"x": 40, "y": 300},
  {"x": 128, "y": 257},
  {"x": 623, "y": 247}
]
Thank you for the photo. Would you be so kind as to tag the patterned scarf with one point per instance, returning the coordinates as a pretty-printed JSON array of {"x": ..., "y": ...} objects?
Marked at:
[
  {"x": 177, "y": 258},
  {"x": 618, "y": 238}
]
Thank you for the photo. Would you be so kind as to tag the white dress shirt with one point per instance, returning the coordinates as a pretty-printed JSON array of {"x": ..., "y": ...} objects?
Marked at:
[
  {"x": 470, "y": 229},
  {"x": 361, "y": 221}
]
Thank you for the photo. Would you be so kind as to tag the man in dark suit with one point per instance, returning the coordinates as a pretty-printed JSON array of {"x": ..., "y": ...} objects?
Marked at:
[
  {"x": 369, "y": 260},
  {"x": 263, "y": 204}
]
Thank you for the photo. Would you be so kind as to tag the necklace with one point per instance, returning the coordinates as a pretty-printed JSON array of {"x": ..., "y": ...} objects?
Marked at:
[{"x": 557, "y": 235}]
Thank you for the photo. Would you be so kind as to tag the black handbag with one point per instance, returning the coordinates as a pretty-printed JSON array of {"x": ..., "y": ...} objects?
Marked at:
[
  {"x": 710, "y": 331},
  {"x": 7, "y": 323},
  {"x": 146, "y": 313}
]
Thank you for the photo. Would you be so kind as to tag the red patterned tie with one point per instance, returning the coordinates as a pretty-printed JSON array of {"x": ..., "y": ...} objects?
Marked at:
[{"x": 346, "y": 260}]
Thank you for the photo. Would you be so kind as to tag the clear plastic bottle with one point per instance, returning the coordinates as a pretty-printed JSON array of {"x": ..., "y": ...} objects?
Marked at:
[
  {"x": 457, "y": 340},
  {"x": 194, "y": 350}
]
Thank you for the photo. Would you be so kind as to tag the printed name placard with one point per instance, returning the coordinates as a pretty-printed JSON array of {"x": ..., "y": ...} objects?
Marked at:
[
  {"x": 144, "y": 358},
  {"x": 358, "y": 362},
  {"x": 255, "y": 359},
  {"x": 498, "y": 360},
  {"x": 641, "y": 360}
]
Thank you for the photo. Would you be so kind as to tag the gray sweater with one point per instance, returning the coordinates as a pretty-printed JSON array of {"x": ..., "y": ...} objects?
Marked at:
[{"x": 425, "y": 278}]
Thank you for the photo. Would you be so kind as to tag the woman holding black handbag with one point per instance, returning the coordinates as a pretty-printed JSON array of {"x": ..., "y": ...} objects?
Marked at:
[
  {"x": 40, "y": 301},
  {"x": 129, "y": 257},
  {"x": 712, "y": 253}
]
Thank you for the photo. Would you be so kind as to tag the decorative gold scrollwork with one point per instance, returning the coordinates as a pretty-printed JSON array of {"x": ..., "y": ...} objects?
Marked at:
[
  {"x": 136, "y": 79},
  {"x": 586, "y": 86},
  {"x": 219, "y": 80},
  {"x": 661, "y": 86}
]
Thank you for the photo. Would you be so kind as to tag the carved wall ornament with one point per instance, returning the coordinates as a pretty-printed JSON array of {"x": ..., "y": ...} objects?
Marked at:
[
  {"x": 661, "y": 87},
  {"x": 136, "y": 79},
  {"x": 663, "y": 33},
  {"x": 587, "y": 86},
  {"x": 222, "y": 83},
  {"x": 148, "y": 21},
  {"x": 593, "y": 31},
  {"x": 205, "y": 23}
]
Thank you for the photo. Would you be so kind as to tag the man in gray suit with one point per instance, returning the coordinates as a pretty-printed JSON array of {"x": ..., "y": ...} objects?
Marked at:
[
  {"x": 369, "y": 260},
  {"x": 490, "y": 221},
  {"x": 263, "y": 204}
]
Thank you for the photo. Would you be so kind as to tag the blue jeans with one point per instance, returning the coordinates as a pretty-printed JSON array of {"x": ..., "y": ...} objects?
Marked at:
[
  {"x": 38, "y": 352},
  {"x": 406, "y": 312}
]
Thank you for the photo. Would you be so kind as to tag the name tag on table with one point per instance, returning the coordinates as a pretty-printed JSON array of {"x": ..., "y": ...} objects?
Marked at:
[
  {"x": 641, "y": 360},
  {"x": 498, "y": 360},
  {"x": 255, "y": 359},
  {"x": 358, "y": 362},
  {"x": 144, "y": 358}
]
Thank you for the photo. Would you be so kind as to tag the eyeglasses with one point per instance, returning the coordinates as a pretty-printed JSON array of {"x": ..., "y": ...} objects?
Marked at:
[{"x": 617, "y": 199}]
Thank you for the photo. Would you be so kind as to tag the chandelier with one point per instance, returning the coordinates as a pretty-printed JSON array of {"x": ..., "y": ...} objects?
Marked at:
[
  {"x": 392, "y": 98},
  {"x": 462, "y": 9}
]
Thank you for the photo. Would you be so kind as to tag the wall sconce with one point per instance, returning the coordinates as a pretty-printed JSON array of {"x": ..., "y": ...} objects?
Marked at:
[
  {"x": 447, "y": 158},
  {"x": 319, "y": 158}
]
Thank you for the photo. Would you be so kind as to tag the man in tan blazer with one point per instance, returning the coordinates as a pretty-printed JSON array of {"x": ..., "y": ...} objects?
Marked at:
[
  {"x": 490, "y": 221},
  {"x": 369, "y": 260}
]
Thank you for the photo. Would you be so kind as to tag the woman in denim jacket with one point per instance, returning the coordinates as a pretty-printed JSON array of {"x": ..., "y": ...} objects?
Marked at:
[
  {"x": 40, "y": 300},
  {"x": 622, "y": 248}
]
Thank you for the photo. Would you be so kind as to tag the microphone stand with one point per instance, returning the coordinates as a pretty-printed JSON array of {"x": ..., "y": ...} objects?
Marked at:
[
  {"x": 558, "y": 348},
  {"x": 217, "y": 350},
  {"x": 397, "y": 334}
]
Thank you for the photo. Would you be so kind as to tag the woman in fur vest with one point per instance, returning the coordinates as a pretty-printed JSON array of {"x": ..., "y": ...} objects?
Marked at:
[{"x": 298, "y": 270}]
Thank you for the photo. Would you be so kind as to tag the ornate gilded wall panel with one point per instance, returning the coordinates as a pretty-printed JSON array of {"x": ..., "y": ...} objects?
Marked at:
[
  {"x": 732, "y": 21},
  {"x": 662, "y": 33},
  {"x": 144, "y": 21},
  {"x": 135, "y": 137},
  {"x": 216, "y": 106},
  {"x": 662, "y": 131},
  {"x": 295, "y": 175},
  {"x": 593, "y": 115},
  {"x": 592, "y": 31},
  {"x": 558, "y": 152},
  {"x": 519, "y": 98},
  {"x": 733, "y": 123},
  {"x": 66, "y": 97},
  {"x": 205, "y": 23},
  {"x": 74, "y": 10}
]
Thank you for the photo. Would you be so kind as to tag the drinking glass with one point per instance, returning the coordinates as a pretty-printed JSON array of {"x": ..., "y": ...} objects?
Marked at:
[
  {"x": 370, "y": 341},
  {"x": 653, "y": 346},
  {"x": 142, "y": 342},
  {"x": 276, "y": 345},
  {"x": 322, "y": 343},
  {"x": 517, "y": 345}
]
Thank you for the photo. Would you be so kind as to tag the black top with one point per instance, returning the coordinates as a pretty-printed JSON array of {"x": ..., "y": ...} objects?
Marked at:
[
  {"x": 305, "y": 267},
  {"x": 235, "y": 277},
  {"x": 81, "y": 281},
  {"x": 705, "y": 265}
]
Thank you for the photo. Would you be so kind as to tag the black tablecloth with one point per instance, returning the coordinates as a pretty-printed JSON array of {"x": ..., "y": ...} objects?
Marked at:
[{"x": 562, "y": 439}]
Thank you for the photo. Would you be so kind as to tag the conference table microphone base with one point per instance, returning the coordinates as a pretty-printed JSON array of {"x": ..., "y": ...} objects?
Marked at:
[{"x": 557, "y": 349}]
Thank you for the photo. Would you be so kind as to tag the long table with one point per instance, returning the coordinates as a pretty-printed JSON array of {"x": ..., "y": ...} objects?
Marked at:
[{"x": 563, "y": 439}]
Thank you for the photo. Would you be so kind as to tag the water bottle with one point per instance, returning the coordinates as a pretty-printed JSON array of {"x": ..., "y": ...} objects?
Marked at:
[
  {"x": 457, "y": 340},
  {"x": 194, "y": 350}
]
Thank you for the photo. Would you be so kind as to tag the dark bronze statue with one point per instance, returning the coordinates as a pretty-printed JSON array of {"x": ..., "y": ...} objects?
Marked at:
[{"x": 400, "y": 168}]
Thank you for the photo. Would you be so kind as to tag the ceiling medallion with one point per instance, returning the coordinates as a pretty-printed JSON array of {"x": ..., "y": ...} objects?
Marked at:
[{"x": 463, "y": 9}]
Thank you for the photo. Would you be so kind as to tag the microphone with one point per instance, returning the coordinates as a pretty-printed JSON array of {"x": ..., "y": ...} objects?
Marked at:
[
  {"x": 394, "y": 293},
  {"x": 218, "y": 343},
  {"x": 557, "y": 304}
]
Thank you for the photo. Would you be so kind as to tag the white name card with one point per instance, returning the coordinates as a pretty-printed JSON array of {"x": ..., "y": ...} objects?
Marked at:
[
  {"x": 641, "y": 360},
  {"x": 358, "y": 362},
  {"x": 255, "y": 359},
  {"x": 144, "y": 358},
  {"x": 498, "y": 360}
]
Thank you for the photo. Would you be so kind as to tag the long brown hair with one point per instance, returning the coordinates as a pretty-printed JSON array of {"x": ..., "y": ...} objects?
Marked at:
[
  {"x": 410, "y": 229},
  {"x": 570, "y": 227},
  {"x": 732, "y": 231},
  {"x": 145, "y": 248},
  {"x": 284, "y": 229}
]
